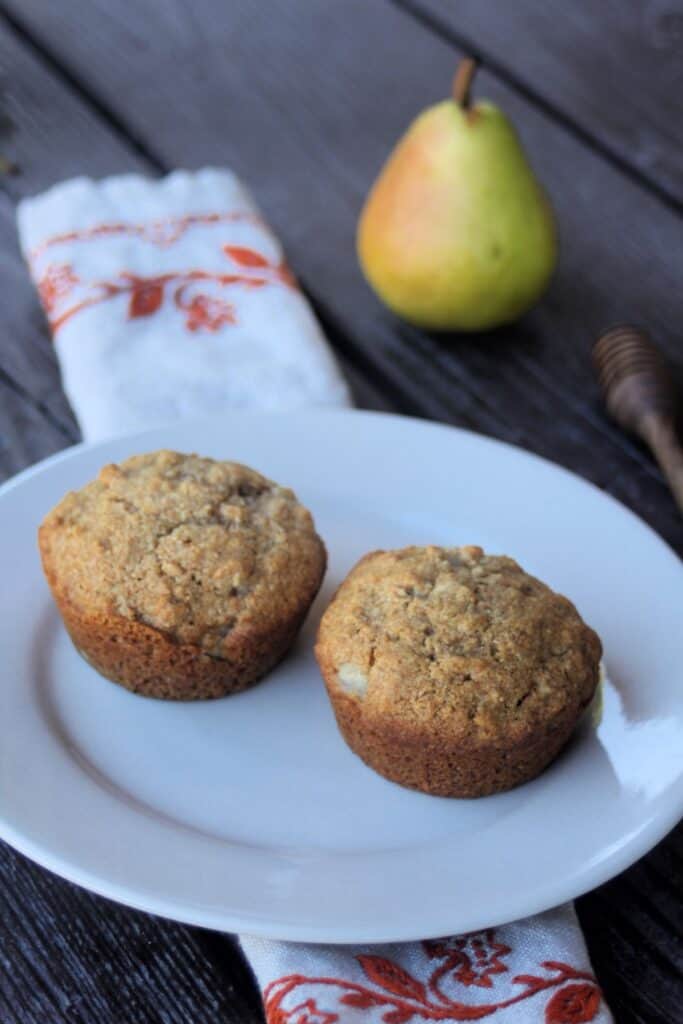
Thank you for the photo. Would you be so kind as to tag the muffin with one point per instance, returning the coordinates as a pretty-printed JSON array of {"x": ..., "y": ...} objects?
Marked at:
[
  {"x": 181, "y": 577},
  {"x": 454, "y": 672}
]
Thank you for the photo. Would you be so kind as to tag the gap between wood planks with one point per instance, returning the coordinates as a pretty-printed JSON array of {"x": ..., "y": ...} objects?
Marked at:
[
  {"x": 75, "y": 84},
  {"x": 377, "y": 369},
  {"x": 68, "y": 434},
  {"x": 379, "y": 392},
  {"x": 398, "y": 395},
  {"x": 66, "y": 954},
  {"x": 435, "y": 24},
  {"x": 380, "y": 369}
]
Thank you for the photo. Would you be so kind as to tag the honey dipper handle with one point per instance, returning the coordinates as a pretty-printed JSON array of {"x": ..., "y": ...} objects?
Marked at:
[{"x": 660, "y": 433}]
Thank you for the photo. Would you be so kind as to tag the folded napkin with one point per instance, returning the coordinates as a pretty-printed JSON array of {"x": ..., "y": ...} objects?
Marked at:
[
  {"x": 531, "y": 970},
  {"x": 171, "y": 299}
]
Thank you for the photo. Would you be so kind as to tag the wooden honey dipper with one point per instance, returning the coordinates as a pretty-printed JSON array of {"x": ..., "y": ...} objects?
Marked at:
[{"x": 641, "y": 395}]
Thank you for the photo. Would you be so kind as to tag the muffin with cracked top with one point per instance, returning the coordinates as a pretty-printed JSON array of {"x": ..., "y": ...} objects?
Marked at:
[
  {"x": 454, "y": 672},
  {"x": 182, "y": 577}
]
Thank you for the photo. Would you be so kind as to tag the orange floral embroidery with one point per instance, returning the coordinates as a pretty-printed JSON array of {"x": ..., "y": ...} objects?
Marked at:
[
  {"x": 162, "y": 232},
  {"x": 308, "y": 1013},
  {"x": 146, "y": 297},
  {"x": 203, "y": 311},
  {"x": 401, "y": 998},
  {"x": 245, "y": 257},
  {"x": 57, "y": 281},
  {"x": 476, "y": 957},
  {"x": 573, "y": 1004}
]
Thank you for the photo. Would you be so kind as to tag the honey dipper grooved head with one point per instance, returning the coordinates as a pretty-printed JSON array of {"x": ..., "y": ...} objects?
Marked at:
[{"x": 633, "y": 375}]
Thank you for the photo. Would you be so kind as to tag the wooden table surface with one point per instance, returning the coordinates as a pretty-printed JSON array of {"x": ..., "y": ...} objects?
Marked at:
[{"x": 305, "y": 99}]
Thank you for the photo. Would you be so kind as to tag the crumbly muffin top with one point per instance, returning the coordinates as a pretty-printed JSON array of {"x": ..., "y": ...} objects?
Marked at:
[
  {"x": 465, "y": 641},
  {"x": 190, "y": 546}
]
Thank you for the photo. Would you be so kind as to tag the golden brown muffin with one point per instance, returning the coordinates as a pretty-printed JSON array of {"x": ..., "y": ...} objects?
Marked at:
[
  {"x": 182, "y": 577},
  {"x": 454, "y": 672}
]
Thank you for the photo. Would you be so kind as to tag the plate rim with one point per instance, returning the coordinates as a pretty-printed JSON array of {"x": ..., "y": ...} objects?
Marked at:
[
  {"x": 333, "y": 412},
  {"x": 646, "y": 837}
]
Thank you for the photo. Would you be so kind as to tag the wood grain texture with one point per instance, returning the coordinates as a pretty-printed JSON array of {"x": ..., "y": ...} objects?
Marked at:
[
  {"x": 611, "y": 70},
  {"x": 640, "y": 394},
  {"x": 27, "y": 360},
  {"x": 27, "y": 434},
  {"x": 249, "y": 89},
  {"x": 634, "y": 927},
  {"x": 66, "y": 955},
  {"x": 305, "y": 100}
]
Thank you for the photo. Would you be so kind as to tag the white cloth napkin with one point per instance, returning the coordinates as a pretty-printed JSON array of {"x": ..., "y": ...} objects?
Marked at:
[
  {"x": 531, "y": 970},
  {"x": 170, "y": 299}
]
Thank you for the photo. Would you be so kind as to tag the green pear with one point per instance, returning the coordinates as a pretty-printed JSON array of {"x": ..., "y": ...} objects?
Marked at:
[{"x": 457, "y": 233}]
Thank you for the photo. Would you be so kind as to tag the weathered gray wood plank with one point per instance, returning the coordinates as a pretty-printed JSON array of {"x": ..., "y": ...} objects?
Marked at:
[
  {"x": 68, "y": 956},
  {"x": 633, "y": 928},
  {"x": 26, "y": 433},
  {"x": 299, "y": 104},
  {"x": 27, "y": 359},
  {"x": 611, "y": 70},
  {"x": 43, "y": 109},
  {"x": 249, "y": 88}
]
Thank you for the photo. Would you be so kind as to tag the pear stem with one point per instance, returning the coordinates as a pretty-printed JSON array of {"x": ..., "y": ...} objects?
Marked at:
[{"x": 462, "y": 81}]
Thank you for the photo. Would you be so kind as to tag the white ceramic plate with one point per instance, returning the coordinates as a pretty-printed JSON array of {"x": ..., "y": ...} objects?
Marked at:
[{"x": 250, "y": 813}]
